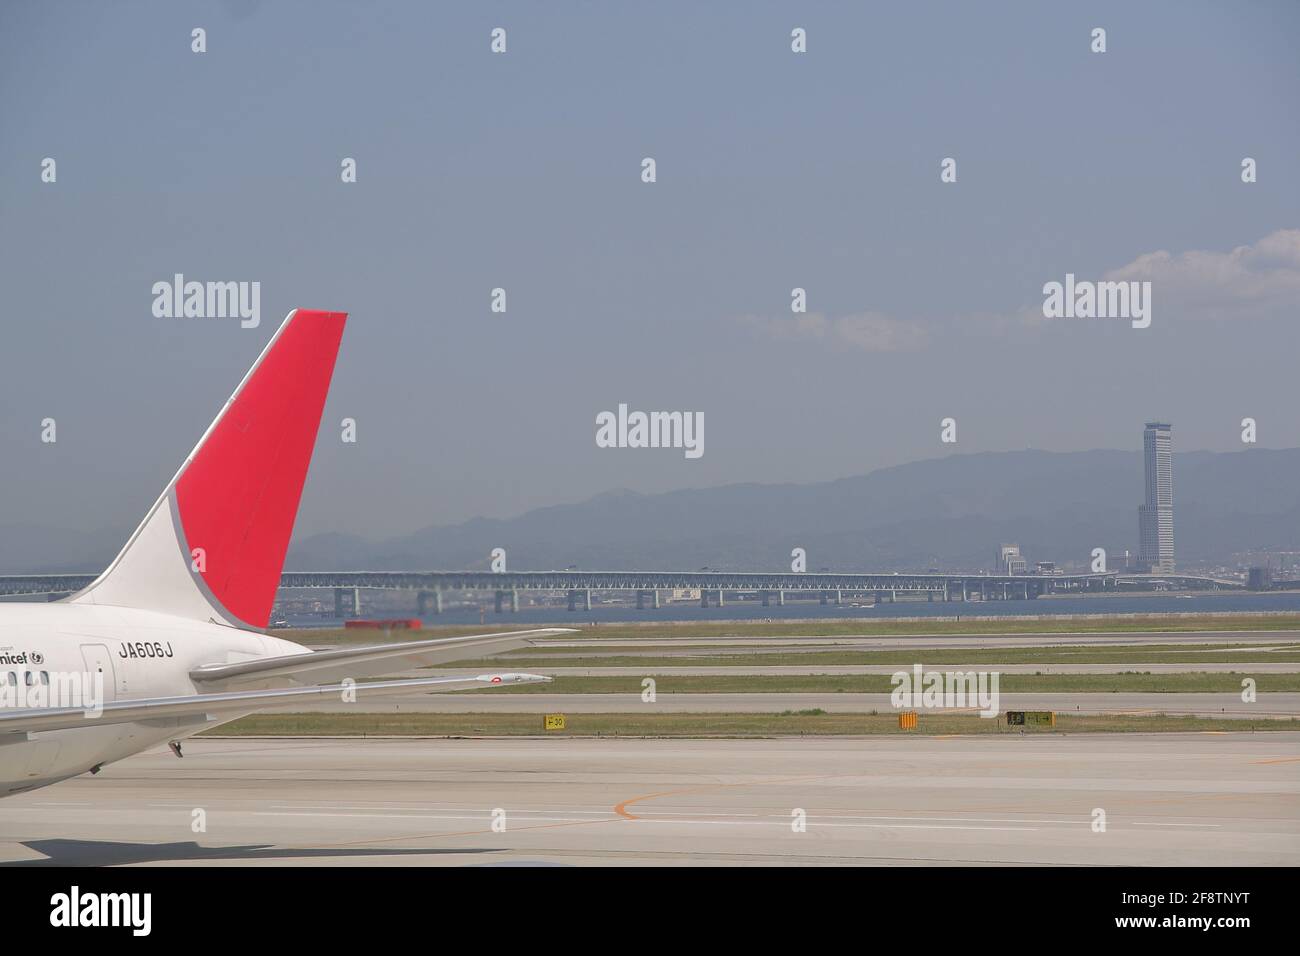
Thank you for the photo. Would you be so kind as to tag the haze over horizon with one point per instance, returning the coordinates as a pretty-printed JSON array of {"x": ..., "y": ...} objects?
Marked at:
[
  {"x": 775, "y": 170},
  {"x": 947, "y": 512}
]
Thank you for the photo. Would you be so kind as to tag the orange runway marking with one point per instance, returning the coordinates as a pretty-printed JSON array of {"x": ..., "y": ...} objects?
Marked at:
[{"x": 621, "y": 808}]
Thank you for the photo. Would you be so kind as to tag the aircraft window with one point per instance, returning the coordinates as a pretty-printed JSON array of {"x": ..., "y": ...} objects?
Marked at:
[
  {"x": 27, "y": 678},
  {"x": 45, "y": 678},
  {"x": 13, "y": 679}
]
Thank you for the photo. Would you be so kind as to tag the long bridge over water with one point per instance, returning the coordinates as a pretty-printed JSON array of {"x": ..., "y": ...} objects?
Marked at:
[{"x": 713, "y": 586}]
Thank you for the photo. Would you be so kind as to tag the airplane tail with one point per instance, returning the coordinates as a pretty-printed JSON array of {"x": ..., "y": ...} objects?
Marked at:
[{"x": 212, "y": 547}]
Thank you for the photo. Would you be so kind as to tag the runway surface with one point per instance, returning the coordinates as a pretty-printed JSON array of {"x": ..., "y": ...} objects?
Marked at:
[
  {"x": 1166, "y": 799},
  {"x": 740, "y": 670},
  {"x": 591, "y": 644},
  {"x": 492, "y": 702}
]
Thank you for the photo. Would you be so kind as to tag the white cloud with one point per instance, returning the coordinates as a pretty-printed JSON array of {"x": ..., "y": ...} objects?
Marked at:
[{"x": 1253, "y": 280}]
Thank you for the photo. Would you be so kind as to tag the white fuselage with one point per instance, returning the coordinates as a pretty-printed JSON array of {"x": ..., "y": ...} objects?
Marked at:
[{"x": 133, "y": 655}]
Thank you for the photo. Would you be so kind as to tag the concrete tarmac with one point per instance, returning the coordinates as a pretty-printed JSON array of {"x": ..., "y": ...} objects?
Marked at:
[
  {"x": 493, "y": 702},
  {"x": 592, "y": 645},
  {"x": 741, "y": 670},
  {"x": 1188, "y": 799}
]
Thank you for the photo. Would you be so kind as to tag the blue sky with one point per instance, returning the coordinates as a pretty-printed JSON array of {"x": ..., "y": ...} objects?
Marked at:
[{"x": 522, "y": 170}]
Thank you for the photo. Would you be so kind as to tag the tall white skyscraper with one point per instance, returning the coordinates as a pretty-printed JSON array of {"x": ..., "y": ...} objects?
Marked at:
[{"x": 1156, "y": 516}]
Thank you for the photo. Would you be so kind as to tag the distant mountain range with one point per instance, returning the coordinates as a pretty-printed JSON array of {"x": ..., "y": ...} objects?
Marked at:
[{"x": 949, "y": 512}]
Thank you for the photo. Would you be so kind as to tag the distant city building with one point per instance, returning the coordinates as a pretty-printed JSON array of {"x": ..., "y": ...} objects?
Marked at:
[
  {"x": 1010, "y": 560},
  {"x": 1156, "y": 515},
  {"x": 1260, "y": 579},
  {"x": 1046, "y": 567}
]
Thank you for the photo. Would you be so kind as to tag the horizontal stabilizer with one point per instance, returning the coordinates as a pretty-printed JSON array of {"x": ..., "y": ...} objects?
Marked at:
[
  {"x": 222, "y": 706},
  {"x": 319, "y": 666}
]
